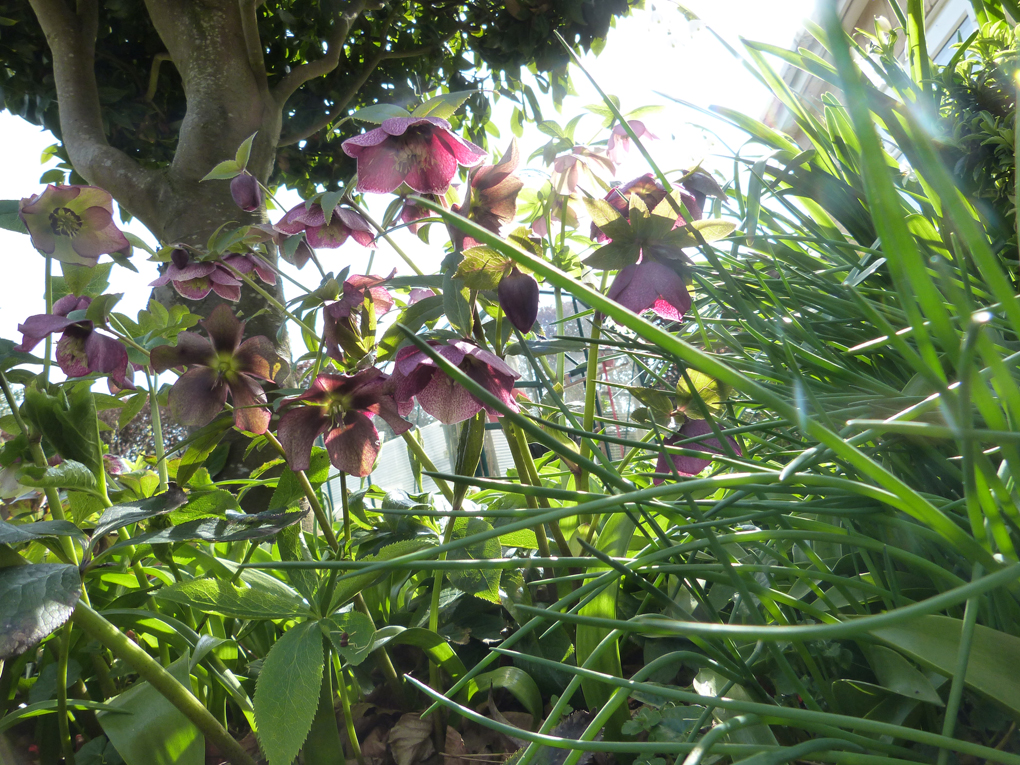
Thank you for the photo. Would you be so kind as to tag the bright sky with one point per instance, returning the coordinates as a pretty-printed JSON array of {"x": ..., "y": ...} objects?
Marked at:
[{"x": 653, "y": 50}]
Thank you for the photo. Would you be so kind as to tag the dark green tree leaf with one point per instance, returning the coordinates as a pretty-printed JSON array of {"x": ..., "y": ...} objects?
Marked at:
[
  {"x": 34, "y": 601},
  {"x": 126, "y": 513}
]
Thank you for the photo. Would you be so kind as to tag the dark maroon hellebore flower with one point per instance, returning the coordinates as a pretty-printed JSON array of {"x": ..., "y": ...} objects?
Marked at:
[
  {"x": 491, "y": 197},
  {"x": 518, "y": 297},
  {"x": 651, "y": 192},
  {"x": 344, "y": 223},
  {"x": 419, "y": 151},
  {"x": 340, "y": 406},
  {"x": 219, "y": 365},
  {"x": 246, "y": 193},
  {"x": 688, "y": 466},
  {"x": 418, "y": 376},
  {"x": 81, "y": 349},
  {"x": 651, "y": 284},
  {"x": 339, "y": 315}
]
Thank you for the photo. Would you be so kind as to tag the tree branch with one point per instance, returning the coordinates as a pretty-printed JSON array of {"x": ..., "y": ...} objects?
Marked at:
[
  {"x": 352, "y": 90},
  {"x": 71, "y": 37},
  {"x": 253, "y": 43},
  {"x": 329, "y": 60}
]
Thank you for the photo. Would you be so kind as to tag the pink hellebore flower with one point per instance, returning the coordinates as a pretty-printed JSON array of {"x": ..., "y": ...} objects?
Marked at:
[
  {"x": 73, "y": 224},
  {"x": 340, "y": 406},
  {"x": 219, "y": 365},
  {"x": 344, "y": 223},
  {"x": 339, "y": 316},
  {"x": 579, "y": 166},
  {"x": 411, "y": 213},
  {"x": 706, "y": 442},
  {"x": 419, "y": 151},
  {"x": 491, "y": 197},
  {"x": 81, "y": 350},
  {"x": 194, "y": 280},
  {"x": 418, "y": 376},
  {"x": 619, "y": 141}
]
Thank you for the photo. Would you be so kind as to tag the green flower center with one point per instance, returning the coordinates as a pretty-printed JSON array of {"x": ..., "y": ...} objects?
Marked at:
[
  {"x": 225, "y": 364},
  {"x": 337, "y": 406},
  {"x": 65, "y": 222}
]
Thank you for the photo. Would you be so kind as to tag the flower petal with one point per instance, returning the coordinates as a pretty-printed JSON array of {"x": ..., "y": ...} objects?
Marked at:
[
  {"x": 353, "y": 446},
  {"x": 447, "y": 401},
  {"x": 36, "y": 328},
  {"x": 297, "y": 430},
  {"x": 224, "y": 330},
  {"x": 690, "y": 466},
  {"x": 191, "y": 349},
  {"x": 378, "y": 172},
  {"x": 650, "y": 284},
  {"x": 248, "y": 398},
  {"x": 197, "y": 397},
  {"x": 257, "y": 356}
]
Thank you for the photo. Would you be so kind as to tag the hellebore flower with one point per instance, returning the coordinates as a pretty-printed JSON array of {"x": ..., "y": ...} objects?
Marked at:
[
  {"x": 419, "y": 151},
  {"x": 688, "y": 466},
  {"x": 651, "y": 192},
  {"x": 539, "y": 227},
  {"x": 491, "y": 197},
  {"x": 340, "y": 406},
  {"x": 419, "y": 293},
  {"x": 650, "y": 284},
  {"x": 619, "y": 140},
  {"x": 216, "y": 366},
  {"x": 518, "y": 297},
  {"x": 247, "y": 263},
  {"x": 194, "y": 280},
  {"x": 81, "y": 350},
  {"x": 74, "y": 224},
  {"x": 338, "y": 317},
  {"x": 580, "y": 164},
  {"x": 246, "y": 192},
  {"x": 344, "y": 223},
  {"x": 418, "y": 376},
  {"x": 411, "y": 213}
]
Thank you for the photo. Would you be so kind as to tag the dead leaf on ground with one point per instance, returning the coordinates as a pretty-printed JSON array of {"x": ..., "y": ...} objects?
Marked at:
[{"x": 410, "y": 739}]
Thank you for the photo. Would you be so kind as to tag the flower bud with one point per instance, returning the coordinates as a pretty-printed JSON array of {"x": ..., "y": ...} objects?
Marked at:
[
  {"x": 244, "y": 188},
  {"x": 518, "y": 297}
]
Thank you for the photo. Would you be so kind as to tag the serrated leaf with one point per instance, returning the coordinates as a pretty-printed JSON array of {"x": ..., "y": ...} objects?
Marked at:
[
  {"x": 224, "y": 171},
  {"x": 328, "y": 202},
  {"x": 377, "y": 113},
  {"x": 348, "y": 588},
  {"x": 351, "y": 633},
  {"x": 101, "y": 306},
  {"x": 614, "y": 256},
  {"x": 69, "y": 422},
  {"x": 67, "y": 475},
  {"x": 710, "y": 230},
  {"x": 201, "y": 445},
  {"x": 17, "y": 533},
  {"x": 443, "y": 106},
  {"x": 287, "y": 692},
  {"x": 244, "y": 151},
  {"x": 482, "y": 268},
  {"x": 216, "y": 596},
  {"x": 126, "y": 513},
  {"x": 35, "y": 600},
  {"x": 233, "y": 529},
  {"x": 9, "y": 218},
  {"x": 83, "y": 281}
]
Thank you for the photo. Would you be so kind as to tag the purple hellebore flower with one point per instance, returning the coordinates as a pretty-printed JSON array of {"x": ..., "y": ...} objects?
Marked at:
[
  {"x": 194, "y": 280},
  {"x": 249, "y": 262},
  {"x": 651, "y": 192},
  {"x": 491, "y": 197},
  {"x": 419, "y": 151},
  {"x": 419, "y": 293},
  {"x": 340, "y": 406},
  {"x": 338, "y": 316},
  {"x": 651, "y": 284},
  {"x": 689, "y": 466},
  {"x": 219, "y": 365},
  {"x": 518, "y": 297},
  {"x": 344, "y": 223},
  {"x": 73, "y": 224},
  {"x": 411, "y": 213},
  {"x": 577, "y": 165},
  {"x": 246, "y": 192},
  {"x": 619, "y": 141},
  {"x": 81, "y": 350},
  {"x": 418, "y": 376}
]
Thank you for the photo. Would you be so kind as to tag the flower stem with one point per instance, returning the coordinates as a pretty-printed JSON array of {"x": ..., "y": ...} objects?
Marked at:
[
  {"x": 590, "y": 393},
  {"x": 66, "y": 744},
  {"x": 48, "y": 296},
  {"x": 345, "y": 703},
  {"x": 306, "y": 487},
  {"x": 98, "y": 628},
  {"x": 387, "y": 238},
  {"x": 157, "y": 433},
  {"x": 423, "y": 458},
  {"x": 347, "y": 512}
]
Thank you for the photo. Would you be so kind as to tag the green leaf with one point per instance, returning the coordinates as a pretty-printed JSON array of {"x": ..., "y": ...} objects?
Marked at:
[
  {"x": 126, "y": 513},
  {"x": 101, "y": 306},
  {"x": 10, "y": 358},
  {"x": 899, "y": 676},
  {"x": 233, "y": 529},
  {"x": 216, "y": 596},
  {"x": 291, "y": 544},
  {"x": 512, "y": 679},
  {"x": 379, "y": 112},
  {"x": 244, "y": 151},
  {"x": 35, "y": 600},
  {"x": 482, "y": 268},
  {"x": 67, "y": 475},
  {"x": 131, "y": 409},
  {"x": 348, "y": 588},
  {"x": 413, "y": 317},
  {"x": 455, "y": 302},
  {"x": 712, "y": 392},
  {"x": 154, "y": 732},
  {"x": 435, "y": 646},
  {"x": 287, "y": 692},
  {"x": 83, "y": 281},
  {"x": 206, "y": 504},
  {"x": 710, "y": 230},
  {"x": 481, "y": 582},
  {"x": 614, "y": 256},
  {"x": 351, "y": 633},
  {"x": 48, "y": 707},
  {"x": 933, "y": 642},
  {"x": 18, "y": 533},
  {"x": 443, "y": 106},
  {"x": 224, "y": 171},
  {"x": 9, "y": 218},
  {"x": 288, "y": 490},
  {"x": 203, "y": 441},
  {"x": 68, "y": 421}
]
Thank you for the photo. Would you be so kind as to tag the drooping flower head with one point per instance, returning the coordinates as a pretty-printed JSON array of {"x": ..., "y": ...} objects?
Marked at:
[
  {"x": 619, "y": 139},
  {"x": 704, "y": 441},
  {"x": 651, "y": 192},
  {"x": 340, "y": 407},
  {"x": 81, "y": 349},
  {"x": 194, "y": 279},
  {"x": 417, "y": 376},
  {"x": 216, "y": 366},
  {"x": 420, "y": 151},
  {"x": 412, "y": 213},
  {"x": 246, "y": 192},
  {"x": 361, "y": 296},
  {"x": 343, "y": 223},
  {"x": 518, "y": 297},
  {"x": 654, "y": 285},
  {"x": 491, "y": 198},
  {"x": 74, "y": 224},
  {"x": 580, "y": 167}
]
